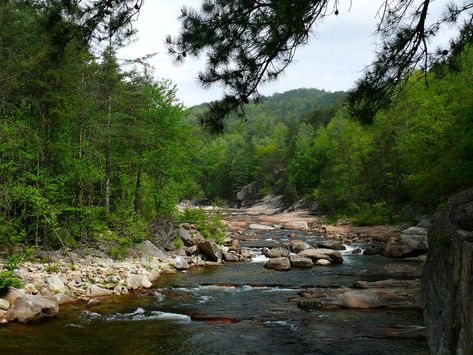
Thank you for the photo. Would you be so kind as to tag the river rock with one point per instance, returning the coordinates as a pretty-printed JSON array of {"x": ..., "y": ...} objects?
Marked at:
[
  {"x": 97, "y": 291},
  {"x": 277, "y": 252},
  {"x": 323, "y": 262},
  {"x": 148, "y": 248},
  {"x": 192, "y": 250},
  {"x": 296, "y": 225},
  {"x": 299, "y": 261},
  {"x": 55, "y": 284},
  {"x": 330, "y": 244},
  {"x": 180, "y": 263},
  {"x": 30, "y": 308},
  {"x": 186, "y": 237},
  {"x": 120, "y": 290},
  {"x": 328, "y": 254},
  {"x": 230, "y": 257},
  {"x": 211, "y": 250},
  {"x": 364, "y": 295},
  {"x": 280, "y": 264},
  {"x": 4, "y": 304},
  {"x": 374, "y": 249},
  {"x": 299, "y": 245},
  {"x": 260, "y": 227},
  {"x": 61, "y": 299},
  {"x": 447, "y": 278},
  {"x": 135, "y": 282}
]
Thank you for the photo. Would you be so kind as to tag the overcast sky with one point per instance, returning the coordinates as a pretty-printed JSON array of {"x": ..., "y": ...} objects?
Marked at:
[{"x": 338, "y": 50}]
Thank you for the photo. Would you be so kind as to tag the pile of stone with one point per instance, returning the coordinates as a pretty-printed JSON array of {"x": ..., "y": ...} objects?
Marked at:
[{"x": 301, "y": 255}]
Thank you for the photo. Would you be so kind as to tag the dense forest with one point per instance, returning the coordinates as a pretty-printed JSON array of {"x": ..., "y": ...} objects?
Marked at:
[
  {"x": 85, "y": 146},
  {"x": 306, "y": 144},
  {"x": 90, "y": 148}
]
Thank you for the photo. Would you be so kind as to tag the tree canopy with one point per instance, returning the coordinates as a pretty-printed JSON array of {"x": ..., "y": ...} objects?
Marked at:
[{"x": 249, "y": 43}]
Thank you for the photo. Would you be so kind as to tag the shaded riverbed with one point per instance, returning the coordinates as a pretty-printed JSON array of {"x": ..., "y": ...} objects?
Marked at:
[{"x": 239, "y": 308}]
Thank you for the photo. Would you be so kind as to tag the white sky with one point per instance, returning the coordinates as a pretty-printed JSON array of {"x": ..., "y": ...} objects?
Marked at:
[{"x": 338, "y": 50}]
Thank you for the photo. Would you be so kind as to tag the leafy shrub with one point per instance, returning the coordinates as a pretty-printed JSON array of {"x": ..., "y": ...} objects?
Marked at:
[
  {"x": 370, "y": 214},
  {"x": 211, "y": 227},
  {"x": 178, "y": 243},
  {"x": 8, "y": 279}
]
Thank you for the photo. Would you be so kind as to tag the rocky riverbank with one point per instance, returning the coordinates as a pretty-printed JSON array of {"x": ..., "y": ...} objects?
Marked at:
[{"x": 90, "y": 275}]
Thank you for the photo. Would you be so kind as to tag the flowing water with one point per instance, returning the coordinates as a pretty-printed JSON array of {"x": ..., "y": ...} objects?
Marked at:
[{"x": 239, "y": 308}]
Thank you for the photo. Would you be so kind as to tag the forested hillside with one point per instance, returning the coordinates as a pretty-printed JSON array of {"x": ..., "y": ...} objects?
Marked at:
[
  {"x": 89, "y": 149},
  {"x": 86, "y": 148},
  {"x": 306, "y": 144}
]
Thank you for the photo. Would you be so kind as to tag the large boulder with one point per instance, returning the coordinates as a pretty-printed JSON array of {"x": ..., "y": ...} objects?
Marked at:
[
  {"x": 296, "y": 225},
  {"x": 97, "y": 291},
  {"x": 186, "y": 237},
  {"x": 328, "y": 254},
  {"x": 211, "y": 250},
  {"x": 299, "y": 245},
  {"x": 148, "y": 248},
  {"x": 248, "y": 195},
  {"x": 29, "y": 308},
  {"x": 55, "y": 284},
  {"x": 230, "y": 257},
  {"x": 180, "y": 263},
  {"x": 135, "y": 282},
  {"x": 412, "y": 242},
  {"x": 448, "y": 278},
  {"x": 280, "y": 264},
  {"x": 276, "y": 252},
  {"x": 299, "y": 261}
]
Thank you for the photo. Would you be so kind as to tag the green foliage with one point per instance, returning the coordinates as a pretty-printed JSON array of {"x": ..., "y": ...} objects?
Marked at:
[
  {"x": 84, "y": 145},
  {"x": 210, "y": 226},
  {"x": 8, "y": 279},
  {"x": 371, "y": 214},
  {"x": 178, "y": 243}
]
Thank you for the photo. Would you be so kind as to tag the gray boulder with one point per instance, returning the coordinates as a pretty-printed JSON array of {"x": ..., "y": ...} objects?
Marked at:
[
  {"x": 230, "y": 257},
  {"x": 148, "y": 248},
  {"x": 328, "y": 254},
  {"x": 29, "y": 308},
  {"x": 55, "y": 284},
  {"x": 299, "y": 261},
  {"x": 135, "y": 282},
  {"x": 298, "y": 245},
  {"x": 280, "y": 264},
  {"x": 211, "y": 250},
  {"x": 180, "y": 263},
  {"x": 186, "y": 237},
  {"x": 276, "y": 252},
  {"x": 97, "y": 291}
]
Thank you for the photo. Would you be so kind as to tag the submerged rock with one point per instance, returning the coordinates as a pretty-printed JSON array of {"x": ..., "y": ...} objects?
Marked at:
[
  {"x": 364, "y": 295},
  {"x": 280, "y": 264}
]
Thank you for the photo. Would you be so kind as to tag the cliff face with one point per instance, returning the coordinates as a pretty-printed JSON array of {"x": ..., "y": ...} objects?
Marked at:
[{"x": 448, "y": 278}]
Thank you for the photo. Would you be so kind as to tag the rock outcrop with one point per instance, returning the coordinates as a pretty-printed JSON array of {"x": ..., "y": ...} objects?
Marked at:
[
  {"x": 29, "y": 308},
  {"x": 448, "y": 278}
]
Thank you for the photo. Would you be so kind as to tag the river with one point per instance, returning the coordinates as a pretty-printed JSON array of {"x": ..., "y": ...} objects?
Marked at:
[{"x": 239, "y": 308}]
